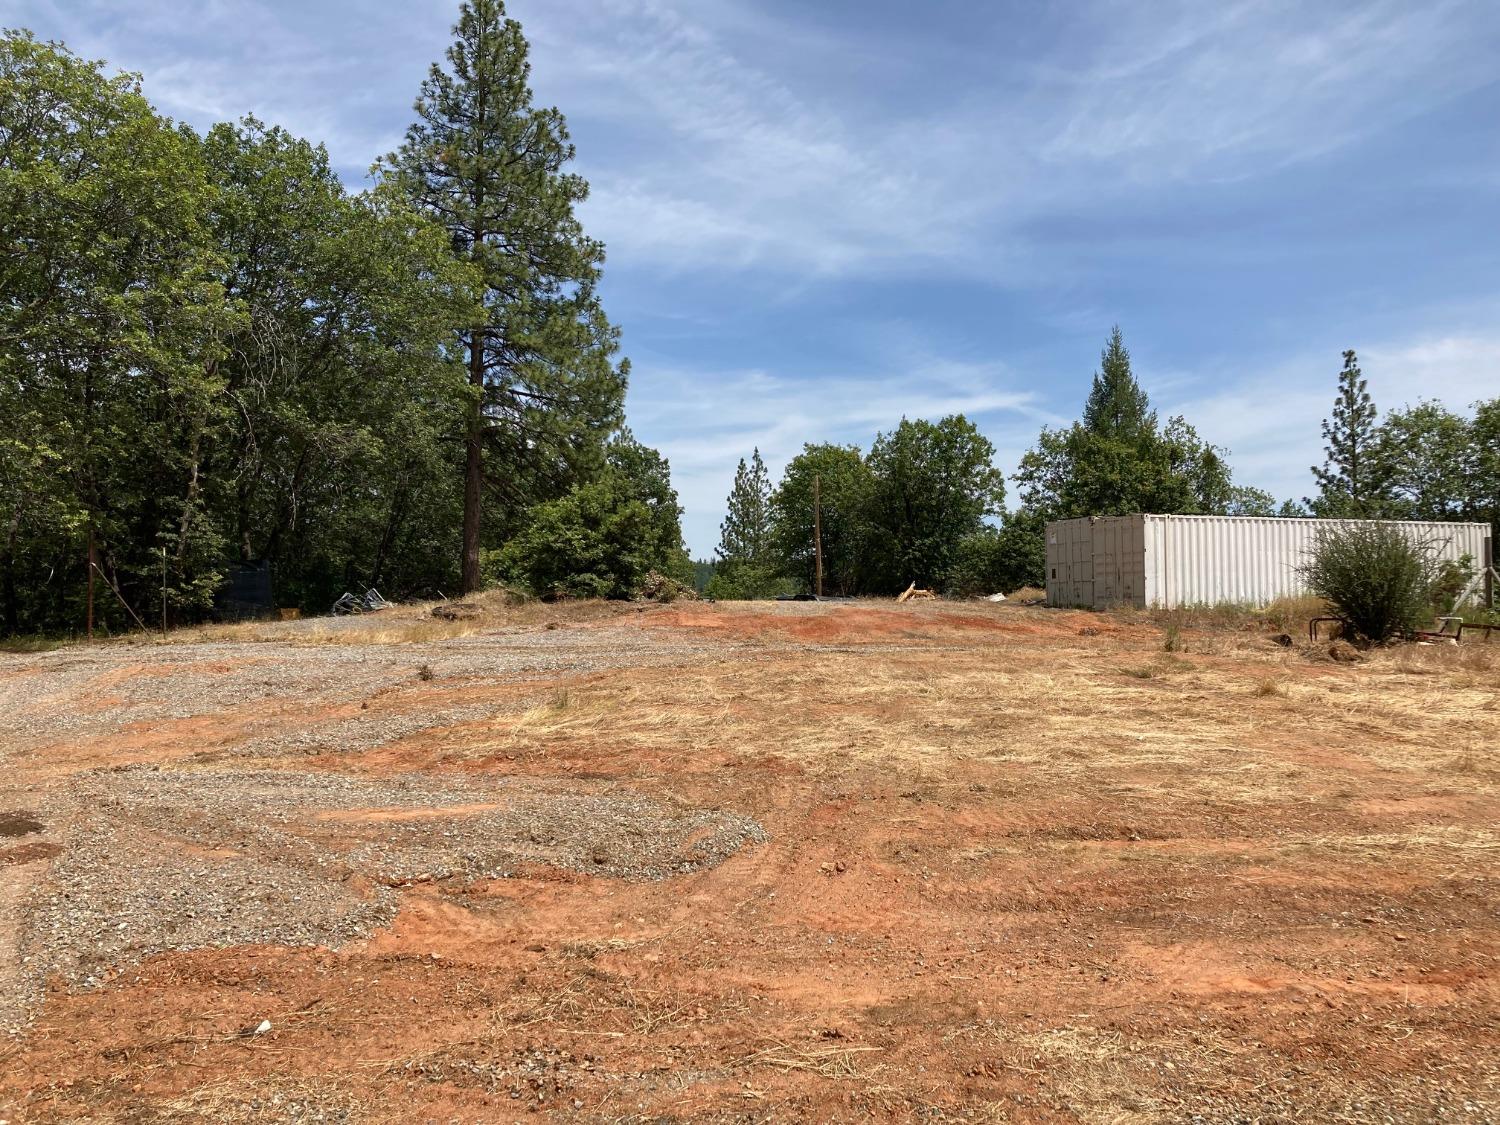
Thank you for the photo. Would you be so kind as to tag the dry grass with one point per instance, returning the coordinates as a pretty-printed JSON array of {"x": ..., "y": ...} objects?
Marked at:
[
  {"x": 34, "y": 644},
  {"x": 825, "y": 1060},
  {"x": 1284, "y": 615},
  {"x": 1076, "y": 723},
  {"x": 410, "y": 623}
]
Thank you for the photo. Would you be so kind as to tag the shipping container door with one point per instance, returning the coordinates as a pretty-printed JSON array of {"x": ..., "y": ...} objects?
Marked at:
[
  {"x": 1082, "y": 553},
  {"x": 1106, "y": 562}
]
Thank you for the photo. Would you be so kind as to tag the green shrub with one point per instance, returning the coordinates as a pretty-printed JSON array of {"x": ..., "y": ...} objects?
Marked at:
[
  {"x": 996, "y": 561},
  {"x": 1450, "y": 581},
  {"x": 595, "y": 542},
  {"x": 1377, "y": 581},
  {"x": 737, "y": 580}
]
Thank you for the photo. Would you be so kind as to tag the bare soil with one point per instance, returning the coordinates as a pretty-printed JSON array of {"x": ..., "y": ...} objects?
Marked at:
[{"x": 749, "y": 863}]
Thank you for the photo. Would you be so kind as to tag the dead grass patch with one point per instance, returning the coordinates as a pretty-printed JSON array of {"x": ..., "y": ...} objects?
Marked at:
[
  {"x": 1070, "y": 725},
  {"x": 411, "y": 623}
]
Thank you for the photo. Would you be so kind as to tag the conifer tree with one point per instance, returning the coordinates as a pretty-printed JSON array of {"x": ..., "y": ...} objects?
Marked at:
[
  {"x": 1117, "y": 407},
  {"x": 745, "y": 568},
  {"x": 1349, "y": 481},
  {"x": 489, "y": 166},
  {"x": 1118, "y": 459},
  {"x": 745, "y": 534}
]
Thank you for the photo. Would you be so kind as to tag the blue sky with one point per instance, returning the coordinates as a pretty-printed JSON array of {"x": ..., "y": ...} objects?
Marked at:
[{"x": 821, "y": 217}]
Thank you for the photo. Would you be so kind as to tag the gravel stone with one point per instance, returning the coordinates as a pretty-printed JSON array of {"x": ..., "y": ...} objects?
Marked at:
[{"x": 178, "y": 859}]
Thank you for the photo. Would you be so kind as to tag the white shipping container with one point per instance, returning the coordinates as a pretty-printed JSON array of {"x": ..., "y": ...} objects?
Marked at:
[{"x": 1172, "y": 561}]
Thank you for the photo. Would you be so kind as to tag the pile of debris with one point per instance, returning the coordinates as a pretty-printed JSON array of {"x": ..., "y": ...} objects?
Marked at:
[{"x": 658, "y": 587}]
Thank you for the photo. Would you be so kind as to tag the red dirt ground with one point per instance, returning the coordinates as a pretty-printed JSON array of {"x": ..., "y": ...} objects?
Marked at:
[{"x": 1022, "y": 866}]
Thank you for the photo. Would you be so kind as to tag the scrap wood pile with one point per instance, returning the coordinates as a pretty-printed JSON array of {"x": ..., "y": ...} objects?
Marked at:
[{"x": 911, "y": 593}]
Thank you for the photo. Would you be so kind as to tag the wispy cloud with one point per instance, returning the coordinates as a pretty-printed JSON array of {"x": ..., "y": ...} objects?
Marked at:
[{"x": 749, "y": 170}]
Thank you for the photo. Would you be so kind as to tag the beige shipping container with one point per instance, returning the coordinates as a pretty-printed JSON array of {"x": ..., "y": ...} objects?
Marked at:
[{"x": 1171, "y": 561}]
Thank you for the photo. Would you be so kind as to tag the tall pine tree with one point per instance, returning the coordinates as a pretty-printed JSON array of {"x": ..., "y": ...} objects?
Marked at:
[
  {"x": 746, "y": 531},
  {"x": 489, "y": 166},
  {"x": 1118, "y": 459},
  {"x": 1349, "y": 480},
  {"x": 1117, "y": 406},
  {"x": 745, "y": 567}
]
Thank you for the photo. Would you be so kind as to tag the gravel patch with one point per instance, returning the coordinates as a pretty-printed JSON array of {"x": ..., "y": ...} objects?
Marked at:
[
  {"x": 283, "y": 1099},
  {"x": 155, "y": 860},
  {"x": 79, "y": 693}
]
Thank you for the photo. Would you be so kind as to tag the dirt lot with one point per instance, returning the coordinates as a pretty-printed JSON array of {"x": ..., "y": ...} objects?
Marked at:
[{"x": 749, "y": 863}]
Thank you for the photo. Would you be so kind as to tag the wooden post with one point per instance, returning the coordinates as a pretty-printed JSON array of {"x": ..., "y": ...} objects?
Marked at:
[
  {"x": 92, "y": 567},
  {"x": 818, "y": 536},
  {"x": 1489, "y": 573}
]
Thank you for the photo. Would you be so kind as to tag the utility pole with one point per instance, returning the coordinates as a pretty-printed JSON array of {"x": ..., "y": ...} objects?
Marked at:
[
  {"x": 818, "y": 536},
  {"x": 91, "y": 579}
]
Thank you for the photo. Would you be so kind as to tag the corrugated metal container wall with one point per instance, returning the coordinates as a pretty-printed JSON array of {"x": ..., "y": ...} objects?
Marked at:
[
  {"x": 1070, "y": 562},
  {"x": 1204, "y": 560}
]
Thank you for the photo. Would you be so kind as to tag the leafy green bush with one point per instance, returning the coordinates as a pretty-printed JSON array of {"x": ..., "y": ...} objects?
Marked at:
[
  {"x": 991, "y": 561},
  {"x": 740, "y": 580},
  {"x": 595, "y": 542},
  {"x": 1377, "y": 581},
  {"x": 1450, "y": 581}
]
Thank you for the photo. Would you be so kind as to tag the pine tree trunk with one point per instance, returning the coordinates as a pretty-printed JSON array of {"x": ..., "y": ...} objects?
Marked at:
[{"x": 473, "y": 468}]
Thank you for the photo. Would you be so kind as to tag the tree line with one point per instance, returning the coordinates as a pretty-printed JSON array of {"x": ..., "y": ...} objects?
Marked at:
[
  {"x": 1422, "y": 462},
  {"x": 925, "y": 504},
  {"x": 212, "y": 353}
]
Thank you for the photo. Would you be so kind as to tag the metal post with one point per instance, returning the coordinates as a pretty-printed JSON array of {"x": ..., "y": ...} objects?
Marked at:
[
  {"x": 163, "y": 591},
  {"x": 818, "y": 535},
  {"x": 1489, "y": 573}
]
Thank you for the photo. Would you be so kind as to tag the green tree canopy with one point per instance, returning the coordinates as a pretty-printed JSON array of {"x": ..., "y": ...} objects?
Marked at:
[
  {"x": 845, "y": 489},
  {"x": 597, "y": 541},
  {"x": 647, "y": 477},
  {"x": 336, "y": 462},
  {"x": 1118, "y": 460},
  {"x": 1484, "y": 492},
  {"x": 1427, "y": 460},
  {"x": 111, "y": 329},
  {"x": 934, "y": 484}
]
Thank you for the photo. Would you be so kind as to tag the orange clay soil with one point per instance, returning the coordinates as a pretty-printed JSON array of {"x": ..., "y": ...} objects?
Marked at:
[{"x": 1022, "y": 865}]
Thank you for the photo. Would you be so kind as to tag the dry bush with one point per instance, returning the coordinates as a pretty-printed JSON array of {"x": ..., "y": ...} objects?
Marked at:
[
  {"x": 1026, "y": 594},
  {"x": 1284, "y": 615}
]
